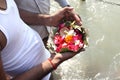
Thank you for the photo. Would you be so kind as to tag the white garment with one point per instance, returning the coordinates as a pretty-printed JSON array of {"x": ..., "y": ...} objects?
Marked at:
[
  {"x": 39, "y": 6},
  {"x": 24, "y": 48}
]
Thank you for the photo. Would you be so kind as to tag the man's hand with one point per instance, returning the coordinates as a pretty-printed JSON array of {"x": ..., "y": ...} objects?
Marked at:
[
  {"x": 58, "y": 58},
  {"x": 66, "y": 12}
]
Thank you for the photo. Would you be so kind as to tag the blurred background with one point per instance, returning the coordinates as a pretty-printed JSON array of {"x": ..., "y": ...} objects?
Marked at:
[{"x": 101, "y": 60}]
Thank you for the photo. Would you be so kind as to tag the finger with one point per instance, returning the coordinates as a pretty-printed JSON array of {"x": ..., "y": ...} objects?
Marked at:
[
  {"x": 74, "y": 16},
  {"x": 68, "y": 9},
  {"x": 78, "y": 19}
]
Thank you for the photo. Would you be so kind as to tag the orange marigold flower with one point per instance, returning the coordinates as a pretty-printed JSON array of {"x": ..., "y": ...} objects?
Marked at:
[{"x": 68, "y": 38}]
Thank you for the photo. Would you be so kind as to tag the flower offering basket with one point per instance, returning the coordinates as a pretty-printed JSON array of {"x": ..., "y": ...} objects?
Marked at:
[{"x": 67, "y": 37}]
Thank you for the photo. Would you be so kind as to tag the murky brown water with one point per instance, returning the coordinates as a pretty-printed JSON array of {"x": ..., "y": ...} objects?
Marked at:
[{"x": 101, "y": 60}]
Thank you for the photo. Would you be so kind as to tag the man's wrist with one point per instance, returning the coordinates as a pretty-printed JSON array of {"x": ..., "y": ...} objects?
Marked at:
[
  {"x": 46, "y": 20},
  {"x": 56, "y": 60},
  {"x": 54, "y": 66}
]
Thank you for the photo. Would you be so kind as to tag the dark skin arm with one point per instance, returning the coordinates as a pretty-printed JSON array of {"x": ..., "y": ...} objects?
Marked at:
[
  {"x": 2, "y": 74},
  {"x": 33, "y": 74},
  {"x": 39, "y": 71},
  {"x": 2, "y": 45}
]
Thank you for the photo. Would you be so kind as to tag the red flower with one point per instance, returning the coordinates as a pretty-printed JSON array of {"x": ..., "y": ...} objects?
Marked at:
[
  {"x": 73, "y": 48},
  {"x": 77, "y": 37},
  {"x": 58, "y": 49},
  {"x": 81, "y": 44},
  {"x": 58, "y": 39},
  {"x": 61, "y": 47}
]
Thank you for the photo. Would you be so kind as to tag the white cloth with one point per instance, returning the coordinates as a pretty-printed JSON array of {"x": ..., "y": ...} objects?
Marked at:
[
  {"x": 39, "y": 6},
  {"x": 24, "y": 48}
]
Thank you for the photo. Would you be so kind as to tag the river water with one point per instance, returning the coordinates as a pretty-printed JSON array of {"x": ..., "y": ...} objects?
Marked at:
[{"x": 101, "y": 60}]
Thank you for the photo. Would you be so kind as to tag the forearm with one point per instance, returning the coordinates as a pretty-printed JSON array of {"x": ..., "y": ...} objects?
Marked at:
[
  {"x": 35, "y": 18},
  {"x": 2, "y": 73},
  {"x": 38, "y": 72}
]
